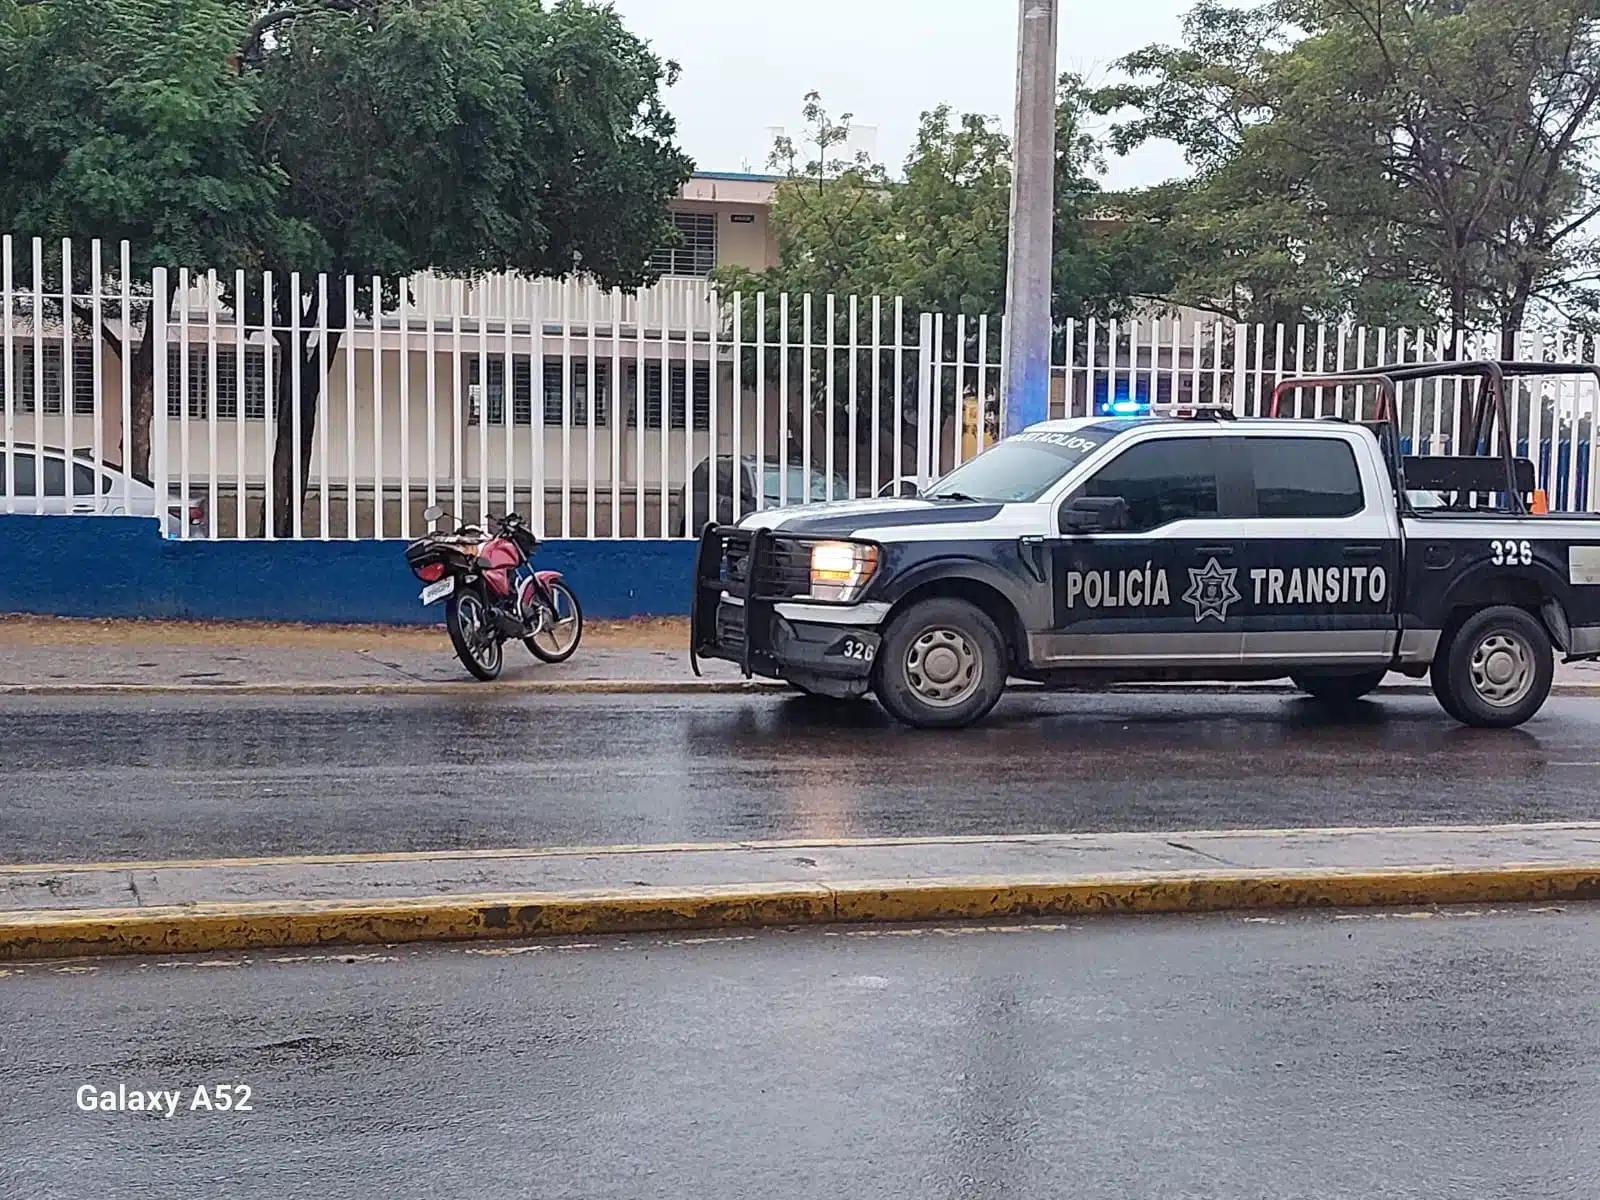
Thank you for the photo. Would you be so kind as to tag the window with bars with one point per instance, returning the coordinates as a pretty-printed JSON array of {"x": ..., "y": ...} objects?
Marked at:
[
  {"x": 554, "y": 399},
  {"x": 678, "y": 402},
  {"x": 696, "y": 253},
  {"x": 53, "y": 378},
  {"x": 227, "y": 393},
  {"x": 496, "y": 398},
  {"x": 551, "y": 396}
]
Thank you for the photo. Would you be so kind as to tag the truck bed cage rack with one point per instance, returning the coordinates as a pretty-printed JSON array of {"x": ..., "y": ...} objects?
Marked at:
[{"x": 1487, "y": 424}]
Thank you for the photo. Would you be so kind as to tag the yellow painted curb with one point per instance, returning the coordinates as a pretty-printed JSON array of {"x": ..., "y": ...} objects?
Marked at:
[
  {"x": 1215, "y": 891},
  {"x": 210, "y": 927},
  {"x": 252, "y": 926}
]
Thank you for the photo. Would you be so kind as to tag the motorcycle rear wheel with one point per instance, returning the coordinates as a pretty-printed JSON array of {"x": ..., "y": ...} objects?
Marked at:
[
  {"x": 558, "y": 640},
  {"x": 472, "y": 634}
]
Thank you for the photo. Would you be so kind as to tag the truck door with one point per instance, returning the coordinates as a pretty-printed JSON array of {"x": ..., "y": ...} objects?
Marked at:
[
  {"x": 1165, "y": 589},
  {"x": 1321, "y": 566}
]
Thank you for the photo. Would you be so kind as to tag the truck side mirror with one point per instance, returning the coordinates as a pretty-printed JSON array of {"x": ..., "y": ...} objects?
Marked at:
[{"x": 1094, "y": 514}]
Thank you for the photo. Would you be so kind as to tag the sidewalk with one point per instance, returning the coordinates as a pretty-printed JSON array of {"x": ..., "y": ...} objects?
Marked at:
[
  {"x": 55, "y": 910},
  {"x": 38, "y": 654},
  {"x": 44, "y": 656}
]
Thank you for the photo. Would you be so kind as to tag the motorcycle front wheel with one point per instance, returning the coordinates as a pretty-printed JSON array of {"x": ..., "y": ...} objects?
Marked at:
[
  {"x": 562, "y": 629},
  {"x": 472, "y": 634}
]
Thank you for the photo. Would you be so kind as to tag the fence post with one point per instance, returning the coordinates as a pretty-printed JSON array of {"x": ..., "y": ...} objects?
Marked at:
[
  {"x": 1239, "y": 336},
  {"x": 925, "y": 368},
  {"x": 158, "y": 398},
  {"x": 8, "y": 375}
]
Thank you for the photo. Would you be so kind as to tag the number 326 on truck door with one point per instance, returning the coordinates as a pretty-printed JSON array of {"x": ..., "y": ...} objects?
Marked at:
[{"x": 1508, "y": 553}]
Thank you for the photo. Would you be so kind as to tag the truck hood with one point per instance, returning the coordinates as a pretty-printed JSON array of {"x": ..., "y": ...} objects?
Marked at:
[{"x": 842, "y": 518}]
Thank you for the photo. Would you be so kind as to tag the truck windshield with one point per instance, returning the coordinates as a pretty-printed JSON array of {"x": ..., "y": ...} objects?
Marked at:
[{"x": 1021, "y": 468}]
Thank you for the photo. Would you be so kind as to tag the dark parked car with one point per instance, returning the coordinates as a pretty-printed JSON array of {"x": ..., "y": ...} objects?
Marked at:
[{"x": 779, "y": 485}]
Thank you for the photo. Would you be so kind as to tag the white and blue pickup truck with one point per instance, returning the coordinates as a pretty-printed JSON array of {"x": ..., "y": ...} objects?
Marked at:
[{"x": 1093, "y": 551}]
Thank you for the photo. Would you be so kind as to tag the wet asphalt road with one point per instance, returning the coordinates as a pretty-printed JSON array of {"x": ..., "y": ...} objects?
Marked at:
[
  {"x": 176, "y": 778},
  {"x": 1186, "y": 1057}
]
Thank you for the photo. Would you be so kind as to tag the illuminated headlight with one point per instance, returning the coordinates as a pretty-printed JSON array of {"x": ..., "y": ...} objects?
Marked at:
[{"x": 840, "y": 571}]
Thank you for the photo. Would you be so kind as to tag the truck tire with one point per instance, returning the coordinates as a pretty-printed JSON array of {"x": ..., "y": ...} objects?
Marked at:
[
  {"x": 1438, "y": 672},
  {"x": 1496, "y": 671},
  {"x": 941, "y": 665},
  {"x": 1339, "y": 689}
]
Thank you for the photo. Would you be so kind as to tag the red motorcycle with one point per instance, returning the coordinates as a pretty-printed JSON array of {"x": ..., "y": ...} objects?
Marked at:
[{"x": 492, "y": 593}]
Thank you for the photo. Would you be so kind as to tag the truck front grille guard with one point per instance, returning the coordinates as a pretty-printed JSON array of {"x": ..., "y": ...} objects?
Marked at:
[{"x": 709, "y": 586}]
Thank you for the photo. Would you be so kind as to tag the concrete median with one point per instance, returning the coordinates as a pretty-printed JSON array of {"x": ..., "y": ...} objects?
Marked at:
[{"x": 65, "y": 910}]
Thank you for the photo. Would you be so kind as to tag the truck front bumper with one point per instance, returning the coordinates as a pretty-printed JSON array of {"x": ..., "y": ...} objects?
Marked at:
[
  {"x": 776, "y": 636},
  {"x": 786, "y": 640}
]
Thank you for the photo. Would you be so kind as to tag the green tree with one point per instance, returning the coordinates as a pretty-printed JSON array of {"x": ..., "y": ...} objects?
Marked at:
[
  {"x": 457, "y": 136},
  {"x": 453, "y": 136},
  {"x": 935, "y": 237},
  {"x": 124, "y": 120},
  {"x": 1376, "y": 157}
]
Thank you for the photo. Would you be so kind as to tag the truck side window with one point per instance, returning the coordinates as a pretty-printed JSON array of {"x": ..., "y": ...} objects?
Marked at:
[
  {"x": 1166, "y": 480},
  {"x": 1305, "y": 477}
]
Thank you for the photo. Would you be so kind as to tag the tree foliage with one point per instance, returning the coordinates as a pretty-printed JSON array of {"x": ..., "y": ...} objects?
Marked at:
[
  {"x": 459, "y": 137},
  {"x": 123, "y": 120},
  {"x": 1394, "y": 159},
  {"x": 342, "y": 137},
  {"x": 937, "y": 235}
]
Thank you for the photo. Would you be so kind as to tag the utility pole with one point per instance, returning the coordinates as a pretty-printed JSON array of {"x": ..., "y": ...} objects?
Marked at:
[{"x": 1026, "y": 362}]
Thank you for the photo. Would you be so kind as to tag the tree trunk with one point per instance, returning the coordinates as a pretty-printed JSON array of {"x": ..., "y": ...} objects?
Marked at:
[
  {"x": 286, "y": 456},
  {"x": 141, "y": 408},
  {"x": 137, "y": 438},
  {"x": 1458, "y": 311},
  {"x": 1515, "y": 311}
]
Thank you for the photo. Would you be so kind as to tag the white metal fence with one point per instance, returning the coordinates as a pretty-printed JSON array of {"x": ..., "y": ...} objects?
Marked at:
[{"x": 594, "y": 413}]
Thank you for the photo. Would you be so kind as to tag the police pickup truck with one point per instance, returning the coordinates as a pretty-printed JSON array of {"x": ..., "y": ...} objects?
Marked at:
[{"x": 1092, "y": 551}]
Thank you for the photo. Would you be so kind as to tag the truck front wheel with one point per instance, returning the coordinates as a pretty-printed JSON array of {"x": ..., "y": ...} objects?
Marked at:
[
  {"x": 941, "y": 665},
  {"x": 1496, "y": 671},
  {"x": 1339, "y": 689}
]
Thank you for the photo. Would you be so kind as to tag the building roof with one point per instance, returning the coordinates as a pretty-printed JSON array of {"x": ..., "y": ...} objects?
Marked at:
[{"x": 738, "y": 176}]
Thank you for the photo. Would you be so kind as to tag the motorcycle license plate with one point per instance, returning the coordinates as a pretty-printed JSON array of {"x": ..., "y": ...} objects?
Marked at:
[{"x": 438, "y": 591}]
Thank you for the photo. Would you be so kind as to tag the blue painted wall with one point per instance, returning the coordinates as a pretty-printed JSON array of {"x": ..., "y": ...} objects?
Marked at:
[{"x": 122, "y": 567}]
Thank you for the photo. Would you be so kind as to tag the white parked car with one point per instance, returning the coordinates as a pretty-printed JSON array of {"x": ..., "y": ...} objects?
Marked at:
[{"x": 97, "y": 490}]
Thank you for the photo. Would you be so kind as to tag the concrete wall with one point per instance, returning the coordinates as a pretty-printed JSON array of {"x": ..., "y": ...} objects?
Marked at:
[{"x": 121, "y": 567}]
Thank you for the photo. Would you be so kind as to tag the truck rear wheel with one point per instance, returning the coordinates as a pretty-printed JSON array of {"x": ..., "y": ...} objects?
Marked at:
[
  {"x": 941, "y": 665},
  {"x": 1496, "y": 671},
  {"x": 1339, "y": 689}
]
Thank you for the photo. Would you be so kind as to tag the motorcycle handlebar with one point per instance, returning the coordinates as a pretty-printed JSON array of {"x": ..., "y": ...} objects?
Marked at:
[{"x": 503, "y": 524}]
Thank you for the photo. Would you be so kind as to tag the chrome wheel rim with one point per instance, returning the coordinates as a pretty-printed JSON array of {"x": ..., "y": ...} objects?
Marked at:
[
  {"x": 942, "y": 667},
  {"x": 558, "y": 624},
  {"x": 481, "y": 642},
  {"x": 1502, "y": 669}
]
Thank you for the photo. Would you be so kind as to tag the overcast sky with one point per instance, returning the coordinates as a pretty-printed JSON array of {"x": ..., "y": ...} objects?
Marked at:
[{"x": 747, "y": 65}]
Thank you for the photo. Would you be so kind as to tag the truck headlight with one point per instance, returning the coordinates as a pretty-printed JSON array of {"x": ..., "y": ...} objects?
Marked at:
[{"x": 840, "y": 571}]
